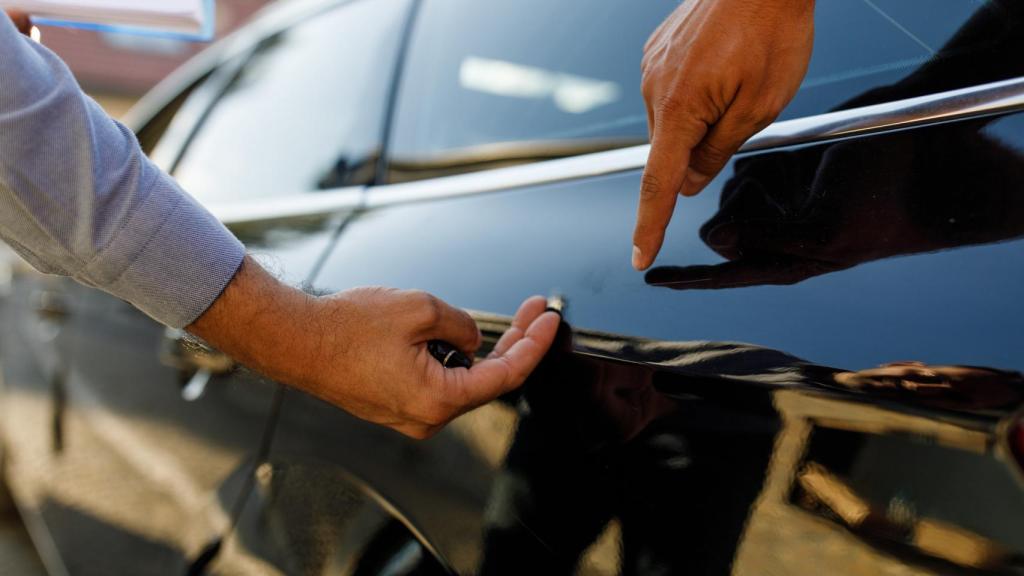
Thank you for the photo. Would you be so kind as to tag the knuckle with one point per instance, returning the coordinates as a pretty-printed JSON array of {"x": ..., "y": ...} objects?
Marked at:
[
  {"x": 514, "y": 375},
  {"x": 758, "y": 115},
  {"x": 749, "y": 115},
  {"x": 651, "y": 187},
  {"x": 685, "y": 115},
  {"x": 429, "y": 307},
  {"x": 671, "y": 106},
  {"x": 711, "y": 155},
  {"x": 648, "y": 88},
  {"x": 371, "y": 294},
  {"x": 429, "y": 410},
  {"x": 436, "y": 415}
]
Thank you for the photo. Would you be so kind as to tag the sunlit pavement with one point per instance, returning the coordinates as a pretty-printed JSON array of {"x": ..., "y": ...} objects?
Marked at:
[{"x": 17, "y": 556}]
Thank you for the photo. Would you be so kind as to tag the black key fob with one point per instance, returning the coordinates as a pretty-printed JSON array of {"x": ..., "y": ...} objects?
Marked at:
[{"x": 449, "y": 356}]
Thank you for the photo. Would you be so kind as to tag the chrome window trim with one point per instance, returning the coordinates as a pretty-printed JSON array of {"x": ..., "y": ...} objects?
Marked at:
[
  {"x": 289, "y": 206},
  {"x": 981, "y": 100}
]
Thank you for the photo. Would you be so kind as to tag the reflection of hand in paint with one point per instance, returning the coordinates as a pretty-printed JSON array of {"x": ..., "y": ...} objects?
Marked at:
[
  {"x": 790, "y": 216},
  {"x": 942, "y": 386},
  {"x": 630, "y": 404}
]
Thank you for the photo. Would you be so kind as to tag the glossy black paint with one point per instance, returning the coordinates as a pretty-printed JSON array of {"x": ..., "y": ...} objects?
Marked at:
[
  {"x": 692, "y": 454},
  {"x": 822, "y": 375},
  {"x": 939, "y": 306},
  {"x": 684, "y": 451},
  {"x": 691, "y": 458}
]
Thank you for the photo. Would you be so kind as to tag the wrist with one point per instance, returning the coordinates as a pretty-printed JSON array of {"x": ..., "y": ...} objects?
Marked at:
[{"x": 259, "y": 321}]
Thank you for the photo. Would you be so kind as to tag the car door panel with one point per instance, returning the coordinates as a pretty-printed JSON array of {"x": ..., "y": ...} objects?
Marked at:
[
  {"x": 720, "y": 413},
  {"x": 652, "y": 439}
]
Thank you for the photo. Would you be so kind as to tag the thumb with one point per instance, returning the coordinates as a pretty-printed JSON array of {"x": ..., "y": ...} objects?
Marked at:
[
  {"x": 449, "y": 324},
  {"x": 505, "y": 372}
]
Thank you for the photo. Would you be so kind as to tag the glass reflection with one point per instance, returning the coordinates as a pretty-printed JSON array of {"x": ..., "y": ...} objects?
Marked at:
[{"x": 304, "y": 113}]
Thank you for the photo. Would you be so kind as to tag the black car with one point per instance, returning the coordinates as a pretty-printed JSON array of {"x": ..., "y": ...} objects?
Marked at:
[{"x": 822, "y": 375}]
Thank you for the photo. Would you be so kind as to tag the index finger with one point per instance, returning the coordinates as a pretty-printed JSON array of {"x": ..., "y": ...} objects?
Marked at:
[{"x": 675, "y": 134}]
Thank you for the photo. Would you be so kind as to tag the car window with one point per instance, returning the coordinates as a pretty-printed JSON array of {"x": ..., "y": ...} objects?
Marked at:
[
  {"x": 508, "y": 81},
  {"x": 165, "y": 133},
  {"x": 306, "y": 111},
  {"x": 153, "y": 132}
]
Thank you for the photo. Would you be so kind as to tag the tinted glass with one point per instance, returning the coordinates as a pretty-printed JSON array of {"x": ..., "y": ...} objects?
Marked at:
[
  {"x": 167, "y": 132},
  {"x": 502, "y": 81},
  {"x": 305, "y": 113},
  {"x": 153, "y": 132}
]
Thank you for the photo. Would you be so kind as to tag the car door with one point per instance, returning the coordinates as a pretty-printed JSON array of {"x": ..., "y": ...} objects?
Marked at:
[
  {"x": 157, "y": 440},
  {"x": 719, "y": 414}
]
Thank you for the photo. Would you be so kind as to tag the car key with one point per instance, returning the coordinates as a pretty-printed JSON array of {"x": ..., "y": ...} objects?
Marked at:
[{"x": 449, "y": 356}]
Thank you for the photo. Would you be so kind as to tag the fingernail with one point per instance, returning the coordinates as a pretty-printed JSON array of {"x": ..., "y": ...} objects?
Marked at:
[
  {"x": 694, "y": 182},
  {"x": 638, "y": 258}
]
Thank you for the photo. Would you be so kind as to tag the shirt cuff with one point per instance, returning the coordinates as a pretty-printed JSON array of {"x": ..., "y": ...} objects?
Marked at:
[{"x": 171, "y": 259}]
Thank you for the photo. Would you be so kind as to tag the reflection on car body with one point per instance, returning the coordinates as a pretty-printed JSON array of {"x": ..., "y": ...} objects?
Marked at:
[{"x": 831, "y": 385}]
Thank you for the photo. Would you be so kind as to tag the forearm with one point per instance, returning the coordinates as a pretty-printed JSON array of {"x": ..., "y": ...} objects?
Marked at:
[
  {"x": 79, "y": 198},
  {"x": 261, "y": 323}
]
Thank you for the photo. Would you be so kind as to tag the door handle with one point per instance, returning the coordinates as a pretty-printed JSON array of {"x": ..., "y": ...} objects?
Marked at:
[{"x": 195, "y": 360}]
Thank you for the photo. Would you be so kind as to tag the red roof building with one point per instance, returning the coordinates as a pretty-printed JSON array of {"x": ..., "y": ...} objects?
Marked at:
[{"x": 127, "y": 66}]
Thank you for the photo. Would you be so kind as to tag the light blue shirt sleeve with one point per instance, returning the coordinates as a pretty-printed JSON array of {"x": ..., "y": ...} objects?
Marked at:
[{"x": 79, "y": 198}]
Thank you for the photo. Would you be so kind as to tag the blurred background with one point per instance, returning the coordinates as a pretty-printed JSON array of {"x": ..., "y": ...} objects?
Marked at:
[{"x": 117, "y": 69}]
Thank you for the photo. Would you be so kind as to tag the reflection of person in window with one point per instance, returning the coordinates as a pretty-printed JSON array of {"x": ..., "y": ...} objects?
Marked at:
[{"x": 954, "y": 387}]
